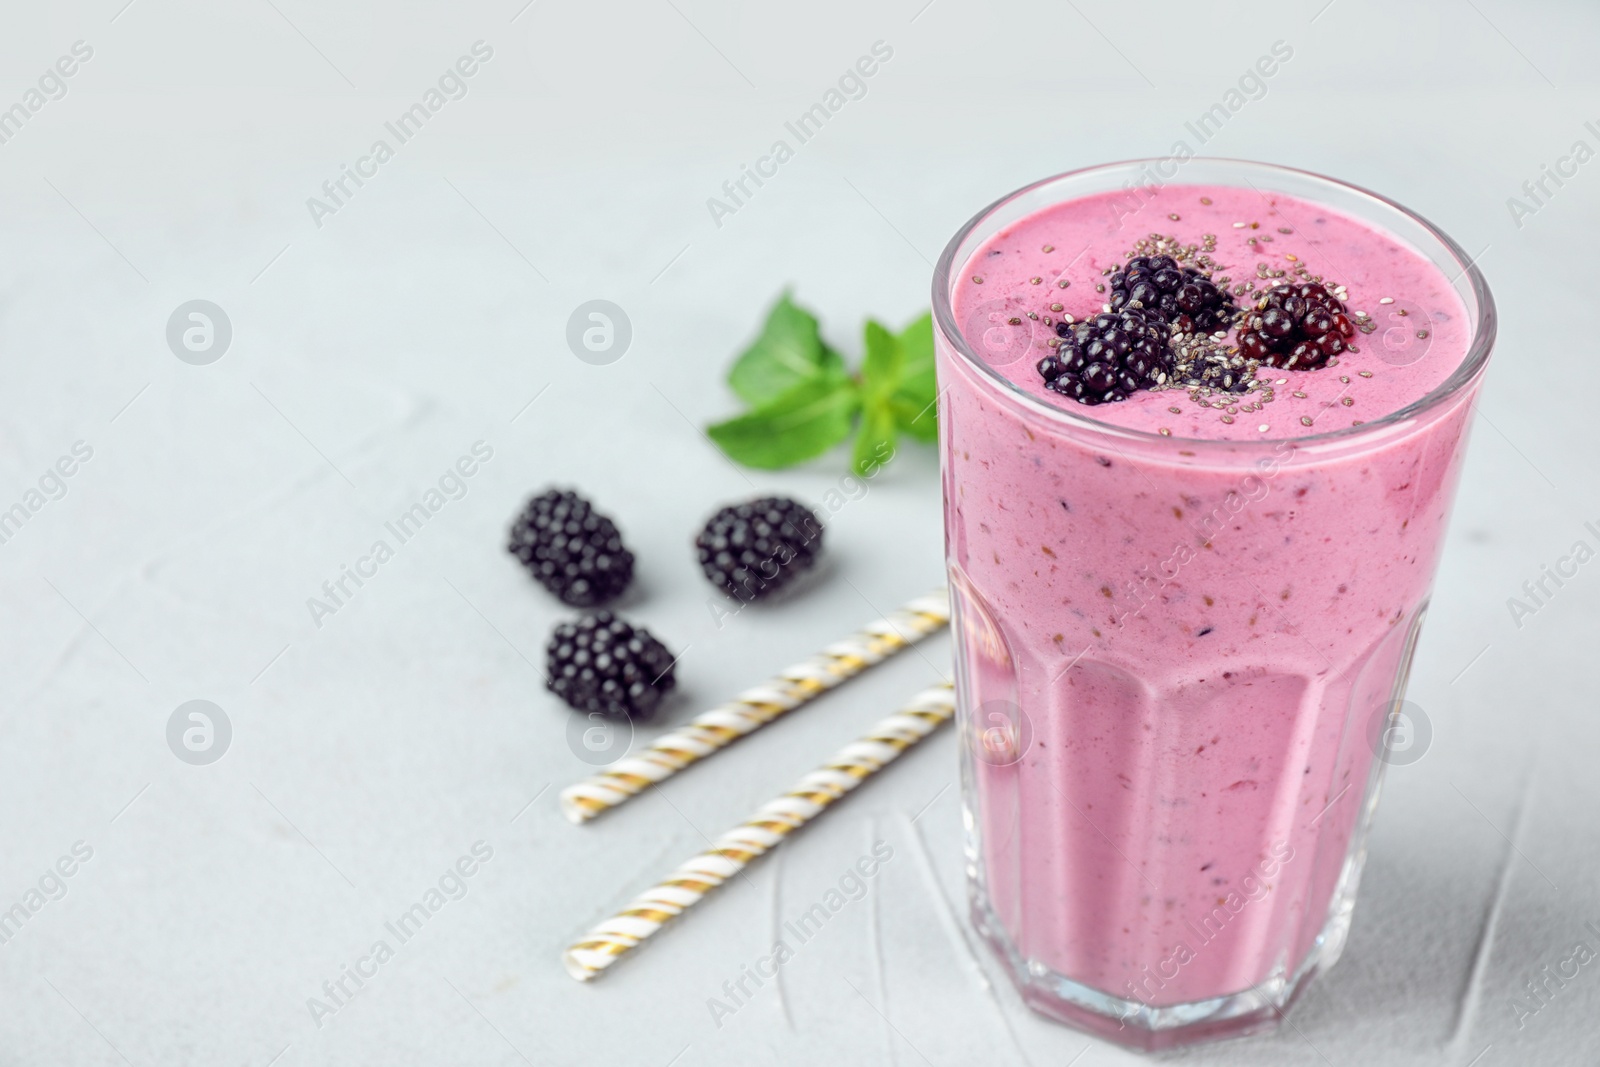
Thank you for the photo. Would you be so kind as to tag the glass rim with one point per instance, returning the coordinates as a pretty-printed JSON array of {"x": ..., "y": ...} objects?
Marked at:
[{"x": 1471, "y": 367}]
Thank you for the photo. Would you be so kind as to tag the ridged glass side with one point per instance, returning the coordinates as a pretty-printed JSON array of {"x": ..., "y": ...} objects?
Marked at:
[{"x": 1091, "y": 906}]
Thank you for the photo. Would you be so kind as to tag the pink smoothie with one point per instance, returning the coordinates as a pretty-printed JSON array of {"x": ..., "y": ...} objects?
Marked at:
[{"x": 1192, "y": 633}]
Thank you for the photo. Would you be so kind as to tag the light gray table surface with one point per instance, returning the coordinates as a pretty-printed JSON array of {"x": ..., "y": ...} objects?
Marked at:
[{"x": 368, "y": 353}]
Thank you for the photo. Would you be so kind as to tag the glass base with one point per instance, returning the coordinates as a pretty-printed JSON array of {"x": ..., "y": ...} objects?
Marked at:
[{"x": 1149, "y": 1029}]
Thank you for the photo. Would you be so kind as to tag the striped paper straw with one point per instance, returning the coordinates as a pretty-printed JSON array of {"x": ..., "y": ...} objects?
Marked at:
[
  {"x": 762, "y": 832},
  {"x": 754, "y": 708}
]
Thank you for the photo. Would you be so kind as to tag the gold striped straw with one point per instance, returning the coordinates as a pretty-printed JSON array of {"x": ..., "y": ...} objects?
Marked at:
[
  {"x": 762, "y": 832},
  {"x": 755, "y": 707}
]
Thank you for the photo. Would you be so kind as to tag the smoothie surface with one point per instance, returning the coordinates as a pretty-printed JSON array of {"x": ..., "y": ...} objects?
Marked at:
[{"x": 1413, "y": 330}]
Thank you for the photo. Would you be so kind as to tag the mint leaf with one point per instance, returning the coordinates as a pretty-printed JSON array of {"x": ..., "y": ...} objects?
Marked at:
[
  {"x": 803, "y": 399},
  {"x": 788, "y": 352},
  {"x": 874, "y": 445},
  {"x": 913, "y": 401},
  {"x": 798, "y": 424},
  {"x": 881, "y": 366},
  {"x": 917, "y": 377},
  {"x": 921, "y": 421}
]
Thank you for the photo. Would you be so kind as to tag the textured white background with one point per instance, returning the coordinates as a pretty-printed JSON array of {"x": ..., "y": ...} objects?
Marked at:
[{"x": 370, "y": 353}]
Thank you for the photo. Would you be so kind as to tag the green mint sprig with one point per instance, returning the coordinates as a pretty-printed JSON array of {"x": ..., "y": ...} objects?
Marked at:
[{"x": 804, "y": 400}]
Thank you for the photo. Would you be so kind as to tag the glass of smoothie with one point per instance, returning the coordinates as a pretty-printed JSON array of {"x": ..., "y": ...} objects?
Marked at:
[{"x": 1201, "y": 424}]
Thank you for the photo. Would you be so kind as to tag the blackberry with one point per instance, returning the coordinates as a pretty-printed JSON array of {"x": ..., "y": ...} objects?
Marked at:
[
  {"x": 1105, "y": 358},
  {"x": 1296, "y": 326},
  {"x": 752, "y": 550},
  {"x": 1183, "y": 296},
  {"x": 601, "y": 664},
  {"x": 573, "y": 550}
]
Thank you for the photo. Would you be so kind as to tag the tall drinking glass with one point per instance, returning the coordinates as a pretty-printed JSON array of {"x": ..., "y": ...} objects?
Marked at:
[{"x": 1180, "y": 658}]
